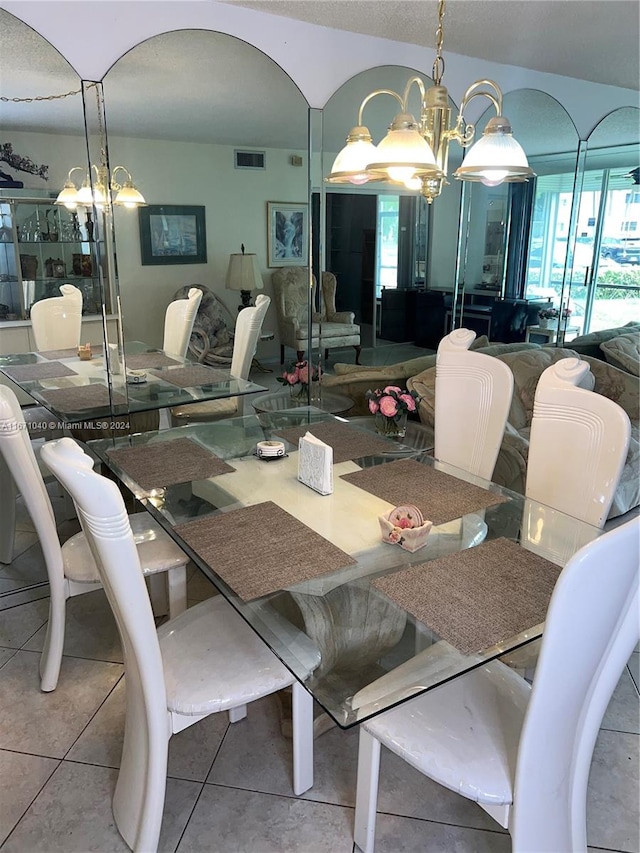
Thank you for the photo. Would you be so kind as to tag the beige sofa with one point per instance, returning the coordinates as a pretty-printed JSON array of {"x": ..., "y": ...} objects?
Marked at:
[
  {"x": 527, "y": 366},
  {"x": 355, "y": 380}
]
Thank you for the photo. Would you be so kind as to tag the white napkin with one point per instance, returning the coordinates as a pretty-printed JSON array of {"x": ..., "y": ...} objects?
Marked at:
[{"x": 315, "y": 464}]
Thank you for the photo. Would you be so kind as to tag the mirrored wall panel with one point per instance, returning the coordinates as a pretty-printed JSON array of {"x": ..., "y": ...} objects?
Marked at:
[{"x": 214, "y": 135}]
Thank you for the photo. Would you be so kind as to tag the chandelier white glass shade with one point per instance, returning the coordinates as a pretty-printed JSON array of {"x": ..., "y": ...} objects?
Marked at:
[
  {"x": 100, "y": 191},
  {"x": 415, "y": 153}
]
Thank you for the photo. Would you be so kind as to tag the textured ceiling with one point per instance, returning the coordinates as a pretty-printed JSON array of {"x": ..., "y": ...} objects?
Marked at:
[{"x": 596, "y": 40}]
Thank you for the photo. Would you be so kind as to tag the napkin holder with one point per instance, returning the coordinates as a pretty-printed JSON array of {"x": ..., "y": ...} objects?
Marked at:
[
  {"x": 409, "y": 538},
  {"x": 84, "y": 352},
  {"x": 315, "y": 464}
]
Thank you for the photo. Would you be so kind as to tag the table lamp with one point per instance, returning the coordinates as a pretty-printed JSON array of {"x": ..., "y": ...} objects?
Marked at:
[{"x": 244, "y": 275}]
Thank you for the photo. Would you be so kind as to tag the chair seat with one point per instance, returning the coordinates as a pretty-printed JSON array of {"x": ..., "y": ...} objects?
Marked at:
[
  {"x": 463, "y": 735},
  {"x": 330, "y": 330},
  {"x": 214, "y": 661},
  {"x": 157, "y": 551},
  {"x": 207, "y": 411}
]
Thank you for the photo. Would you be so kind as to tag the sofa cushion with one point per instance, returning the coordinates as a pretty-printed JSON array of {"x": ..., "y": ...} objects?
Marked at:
[
  {"x": 331, "y": 332},
  {"x": 590, "y": 344},
  {"x": 527, "y": 367},
  {"x": 623, "y": 352}
]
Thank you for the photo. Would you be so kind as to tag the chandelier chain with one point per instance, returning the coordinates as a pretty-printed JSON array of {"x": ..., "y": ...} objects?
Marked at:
[
  {"x": 438, "y": 65},
  {"x": 37, "y": 98}
]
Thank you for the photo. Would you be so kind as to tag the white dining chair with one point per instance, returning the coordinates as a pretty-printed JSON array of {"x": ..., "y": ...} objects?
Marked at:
[
  {"x": 71, "y": 569},
  {"x": 245, "y": 342},
  {"x": 578, "y": 443},
  {"x": 473, "y": 397},
  {"x": 206, "y": 661},
  {"x": 523, "y": 753},
  {"x": 57, "y": 321},
  {"x": 178, "y": 323}
]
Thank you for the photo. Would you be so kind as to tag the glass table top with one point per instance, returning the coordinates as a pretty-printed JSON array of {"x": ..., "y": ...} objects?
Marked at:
[
  {"x": 367, "y": 653},
  {"x": 115, "y": 394}
]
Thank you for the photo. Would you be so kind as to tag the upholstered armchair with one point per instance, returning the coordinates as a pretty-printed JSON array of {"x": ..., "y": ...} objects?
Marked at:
[{"x": 330, "y": 328}]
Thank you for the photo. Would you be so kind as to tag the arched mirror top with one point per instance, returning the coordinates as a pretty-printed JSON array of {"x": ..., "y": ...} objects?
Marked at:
[
  {"x": 540, "y": 123},
  {"x": 33, "y": 68},
  {"x": 620, "y": 127},
  {"x": 204, "y": 86}
]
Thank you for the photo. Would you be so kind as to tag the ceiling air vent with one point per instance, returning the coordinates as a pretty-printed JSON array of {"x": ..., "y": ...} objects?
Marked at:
[{"x": 249, "y": 159}]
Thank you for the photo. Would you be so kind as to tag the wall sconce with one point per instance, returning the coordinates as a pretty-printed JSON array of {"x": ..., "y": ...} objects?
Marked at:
[
  {"x": 125, "y": 195},
  {"x": 243, "y": 274}
]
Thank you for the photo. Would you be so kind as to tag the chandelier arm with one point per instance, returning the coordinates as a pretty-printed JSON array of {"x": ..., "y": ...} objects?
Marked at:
[
  {"x": 471, "y": 93},
  {"x": 407, "y": 88},
  {"x": 114, "y": 184},
  {"x": 372, "y": 95}
]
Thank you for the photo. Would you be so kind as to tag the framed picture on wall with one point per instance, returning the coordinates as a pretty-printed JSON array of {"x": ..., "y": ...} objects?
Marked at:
[
  {"x": 172, "y": 234},
  {"x": 288, "y": 234}
]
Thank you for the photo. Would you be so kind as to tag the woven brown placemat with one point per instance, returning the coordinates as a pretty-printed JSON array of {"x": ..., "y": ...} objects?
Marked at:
[
  {"x": 476, "y": 598},
  {"x": 186, "y": 377},
  {"x": 71, "y": 352},
  {"x": 44, "y": 370},
  {"x": 347, "y": 442},
  {"x": 166, "y": 463},
  {"x": 261, "y": 549},
  {"x": 146, "y": 360},
  {"x": 82, "y": 397},
  {"x": 439, "y": 496}
]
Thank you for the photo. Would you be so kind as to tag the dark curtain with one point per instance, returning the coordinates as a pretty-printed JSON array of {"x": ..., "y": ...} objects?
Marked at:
[{"x": 521, "y": 198}]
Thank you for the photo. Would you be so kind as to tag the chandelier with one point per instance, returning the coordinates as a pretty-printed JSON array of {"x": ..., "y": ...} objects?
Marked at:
[
  {"x": 101, "y": 191},
  {"x": 415, "y": 153}
]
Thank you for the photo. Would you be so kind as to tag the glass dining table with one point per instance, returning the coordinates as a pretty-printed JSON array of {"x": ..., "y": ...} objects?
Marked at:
[
  {"x": 86, "y": 392},
  {"x": 375, "y": 623}
]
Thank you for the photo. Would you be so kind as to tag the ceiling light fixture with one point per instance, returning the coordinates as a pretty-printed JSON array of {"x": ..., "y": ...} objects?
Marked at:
[
  {"x": 124, "y": 195},
  {"x": 415, "y": 153}
]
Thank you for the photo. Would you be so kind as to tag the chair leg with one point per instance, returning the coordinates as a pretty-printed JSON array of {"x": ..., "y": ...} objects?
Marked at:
[
  {"x": 302, "y": 739},
  {"x": 138, "y": 800},
  {"x": 367, "y": 792},
  {"x": 326, "y": 355},
  {"x": 8, "y": 514},
  {"x": 51, "y": 657},
  {"x": 358, "y": 350},
  {"x": 177, "y": 590},
  {"x": 281, "y": 353}
]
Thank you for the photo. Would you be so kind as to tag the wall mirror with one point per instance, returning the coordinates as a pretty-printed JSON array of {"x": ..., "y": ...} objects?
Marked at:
[
  {"x": 393, "y": 255},
  {"x": 213, "y": 132},
  {"x": 606, "y": 276},
  {"x": 42, "y": 245},
  {"x": 515, "y": 238}
]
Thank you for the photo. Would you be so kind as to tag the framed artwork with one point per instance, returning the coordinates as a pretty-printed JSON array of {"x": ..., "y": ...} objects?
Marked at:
[
  {"x": 172, "y": 234},
  {"x": 288, "y": 234}
]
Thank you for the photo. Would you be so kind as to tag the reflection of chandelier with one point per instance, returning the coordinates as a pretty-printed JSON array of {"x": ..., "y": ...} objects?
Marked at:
[
  {"x": 101, "y": 191},
  {"x": 416, "y": 154}
]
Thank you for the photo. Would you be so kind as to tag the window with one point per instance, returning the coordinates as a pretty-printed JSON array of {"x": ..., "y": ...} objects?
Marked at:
[
  {"x": 630, "y": 226},
  {"x": 387, "y": 229}
]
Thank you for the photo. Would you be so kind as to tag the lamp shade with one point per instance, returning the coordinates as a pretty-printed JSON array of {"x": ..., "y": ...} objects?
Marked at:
[
  {"x": 495, "y": 157},
  {"x": 244, "y": 273},
  {"x": 403, "y": 151},
  {"x": 351, "y": 163}
]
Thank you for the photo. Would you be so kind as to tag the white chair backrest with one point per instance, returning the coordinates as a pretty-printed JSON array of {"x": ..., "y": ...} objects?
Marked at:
[
  {"x": 590, "y": 631},
  {"x": 473, "y": 397},
  {"x": 247, "y": 333},
  {"x": 578, "y": 444},
  {"x": 18, "y": 455},
  {"x": 57, "y": 321},
  {"x": 107, "y": 530},
  {"x": 178, "y": 323}
]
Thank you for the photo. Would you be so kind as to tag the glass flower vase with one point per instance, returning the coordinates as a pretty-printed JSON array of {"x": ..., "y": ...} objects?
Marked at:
[
  {"x": 391, "y": 427},
  {"x": 298, "y": 391}
]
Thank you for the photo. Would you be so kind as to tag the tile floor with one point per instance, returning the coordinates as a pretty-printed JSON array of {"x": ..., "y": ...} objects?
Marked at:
[{"x": 229, "y": 787}]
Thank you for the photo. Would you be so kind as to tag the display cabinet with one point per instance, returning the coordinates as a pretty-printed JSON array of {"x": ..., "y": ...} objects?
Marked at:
[{"x": 44, "y": 245}]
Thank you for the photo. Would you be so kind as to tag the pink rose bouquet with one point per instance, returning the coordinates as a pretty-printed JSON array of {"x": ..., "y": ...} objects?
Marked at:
[
  {"x": 391, "y": 401},
  {"x": 297, "y": 373}
]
